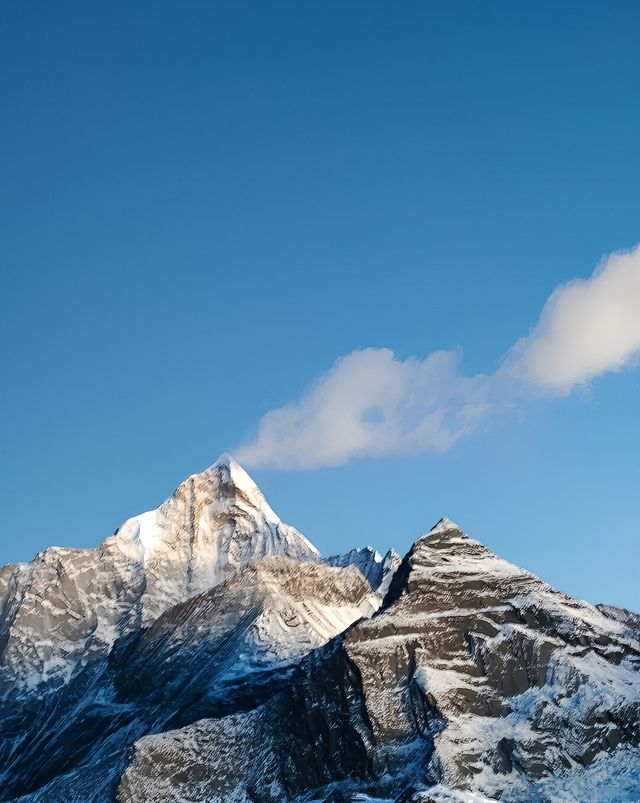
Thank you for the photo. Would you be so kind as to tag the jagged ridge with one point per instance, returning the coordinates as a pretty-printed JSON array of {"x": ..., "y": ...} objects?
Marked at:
[{"x": 206, "y": 652}]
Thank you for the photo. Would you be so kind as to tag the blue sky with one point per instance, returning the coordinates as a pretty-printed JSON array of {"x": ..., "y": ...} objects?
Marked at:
[{"x": 204, "y": 206}]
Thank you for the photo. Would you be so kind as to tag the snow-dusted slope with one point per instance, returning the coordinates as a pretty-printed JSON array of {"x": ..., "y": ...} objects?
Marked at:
[
  {"x": 68, "y": 607},
  {"x": 215, "y": 524},
  {"x": 270, "y": 614},
  {"x": 189, "y": 610},
  {"x": 226, "y": 649},
  {"x": 205, "y": 652},
  {"x": 476, "y": 681},
  {"x": 518, "y": 680}
]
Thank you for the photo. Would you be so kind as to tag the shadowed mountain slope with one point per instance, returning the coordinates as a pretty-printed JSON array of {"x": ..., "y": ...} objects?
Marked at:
[{"x": 206, "y": 652}]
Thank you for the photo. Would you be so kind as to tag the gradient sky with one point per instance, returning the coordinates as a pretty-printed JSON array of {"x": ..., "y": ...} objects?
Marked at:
[{"x": 204, "y": 205}]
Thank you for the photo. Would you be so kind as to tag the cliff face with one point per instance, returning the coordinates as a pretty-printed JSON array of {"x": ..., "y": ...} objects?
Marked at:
[
  {"x": 475, "y": 675},
  {"x": 69, "y": 606},
  {"x": 205, "y": 652}
]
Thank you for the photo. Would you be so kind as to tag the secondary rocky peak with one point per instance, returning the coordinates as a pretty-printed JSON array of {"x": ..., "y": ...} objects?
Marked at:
[
  {"x": 445, "y": 549},
  {"x": 376, "y": 569},
  {"x": 444, "y": 530},
  {"x": 445, "y": 525}
]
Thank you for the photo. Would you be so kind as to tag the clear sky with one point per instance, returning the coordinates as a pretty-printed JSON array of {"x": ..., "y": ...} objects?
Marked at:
[{"x": 204, "y": 205}]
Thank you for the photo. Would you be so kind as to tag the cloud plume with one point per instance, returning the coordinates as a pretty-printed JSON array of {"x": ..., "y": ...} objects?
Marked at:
[
  {"x": 370, "y": 403},
  {"x": 586, "y": 328}
]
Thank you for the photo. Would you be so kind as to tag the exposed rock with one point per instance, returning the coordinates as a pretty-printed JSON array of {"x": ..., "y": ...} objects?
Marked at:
[
  {"x": 475, "y": 676},
  {"x": 376, "y": 569},
  {"x": 69, "y": 606},
  {"x": 206, "y": 653}
]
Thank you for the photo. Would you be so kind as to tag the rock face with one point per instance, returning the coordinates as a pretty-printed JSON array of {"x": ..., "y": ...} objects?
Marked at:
[
  {"x": 206, "y": 652},
  {"x": 69, "y": 606},
  {"x": 514, "y": 681},
  {"x": 378, "y": 570}
]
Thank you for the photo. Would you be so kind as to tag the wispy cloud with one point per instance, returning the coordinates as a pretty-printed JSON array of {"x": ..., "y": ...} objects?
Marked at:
[
  {"x": 370, "y": 403},
  {"x": 587, "y": 327}
]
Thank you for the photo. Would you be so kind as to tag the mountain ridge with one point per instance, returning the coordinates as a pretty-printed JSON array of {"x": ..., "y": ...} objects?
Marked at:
[{"x": 139, "y": 670}]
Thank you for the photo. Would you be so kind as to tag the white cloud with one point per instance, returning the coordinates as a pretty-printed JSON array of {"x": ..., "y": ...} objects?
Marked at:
[
  {"x": 370, "y": 403},
  {"x": 587, "y": 327}
]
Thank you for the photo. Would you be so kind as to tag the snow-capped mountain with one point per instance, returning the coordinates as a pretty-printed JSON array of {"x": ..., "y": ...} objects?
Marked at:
[
  {"x": 69, "y": 606},
  {"x": 206, "y": 652}
]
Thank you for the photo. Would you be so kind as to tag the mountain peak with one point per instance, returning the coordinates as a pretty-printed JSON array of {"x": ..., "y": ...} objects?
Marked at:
[
  {"x": 227, "y": 460},
  {"x": 444, "y": 529},
  {"x": 378, "y": 570},
  {"x": 214, "y": 524},
  {"x": 445, "y": 525},
  {"x": 237, "y": 474},
  {"x": 227, "y": 471}
]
